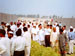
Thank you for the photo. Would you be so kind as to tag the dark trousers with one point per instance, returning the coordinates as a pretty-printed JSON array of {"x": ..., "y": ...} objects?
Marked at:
[
  {"x": 19, "y": 53},
  {"x": 47, "y": 40},
  {"x": 62, "y": 50}
]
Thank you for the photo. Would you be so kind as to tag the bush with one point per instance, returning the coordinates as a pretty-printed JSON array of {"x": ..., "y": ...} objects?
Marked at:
[{"x": 37, "y": 50}]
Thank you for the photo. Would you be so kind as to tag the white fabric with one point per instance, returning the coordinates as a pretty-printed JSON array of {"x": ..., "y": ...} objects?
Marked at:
[
  {"x": 2, "y": 48},
  {"x": 34, "y": 32},
  {"x": 13, "y": 27},
  {"x": 27, "y": 37},
  {"x": 47, "y": 31},
  {"x": 57, "y": 29},
  {"x": 41, "y": 35},
  {"x": 71, "y": 44},
  {"x": 18, "y": 44},
  {"x": 27, "y": 51},
  {"x": 53, "y": 38},
  {"x": 6, "y": 43}
]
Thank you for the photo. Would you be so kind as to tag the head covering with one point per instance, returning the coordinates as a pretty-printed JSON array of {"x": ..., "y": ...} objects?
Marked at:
[
  {"x": 34, "y": 24},
  {"x": 71, "y": 27},
  {"x": 7, "y": 24},
  {"x": 10, "y": 32}
]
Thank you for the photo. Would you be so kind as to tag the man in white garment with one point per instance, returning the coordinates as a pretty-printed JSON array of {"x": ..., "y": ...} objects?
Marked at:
[
  {"x": 5, "y": 42},
  {"x": 18, "y": 45},
  {"x": 54, "y": 37},
  {"x": 27, "y": 37},
  {"x": 57, "y": 28},
  {"x": 13, "y": 27},
  {"x": 41, "y": 35},
  {"x": 34, "y": 32},
  {"x": 47, "y": 36}
]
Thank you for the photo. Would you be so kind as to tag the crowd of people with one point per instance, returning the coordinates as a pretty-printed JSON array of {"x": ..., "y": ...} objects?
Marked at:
[{"x": 15, "y": 37}]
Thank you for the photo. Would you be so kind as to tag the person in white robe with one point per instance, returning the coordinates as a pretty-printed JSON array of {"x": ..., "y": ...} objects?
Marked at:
[
  {"x": 54, "y": 37},
  {"x": 41, "y": 35},
  {"x": 27, "y": 36},
  {"x": 5, "y": 42}
]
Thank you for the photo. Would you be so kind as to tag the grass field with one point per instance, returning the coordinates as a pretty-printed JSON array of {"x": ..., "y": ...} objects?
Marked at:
[{"x": 37, "y": 50}]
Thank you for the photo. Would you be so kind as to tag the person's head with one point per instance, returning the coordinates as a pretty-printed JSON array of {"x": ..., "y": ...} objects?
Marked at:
[
  {"x": 36, "y": 23},
  {"x": 10, "y": 34},
  {"x": 2, "y": 23},
  {"x": 2, "y": 33},
  {"x": 58, "y": 25},
  {"x": 11, "y": 23},
  {"x": 19, "y": 32},
  {"x": 15, "y": 23},
  {"x": 18, "y": 25},
  {"x": 25, "y": 29},
  {"x": 24, "y": 24},
  {"x": 64, "y": 26},
  {"x": 50, "y": 26},
  {"x": 61, "y": 31},
  {"x": 32, "y": 23},
  {"x": 71, "y": 29},
  {"x": 28, "y": 26},
  {"x": 34, "y": 26},
  {"x": 54, "y": 29},
  {"x": 40, "y": 26}
]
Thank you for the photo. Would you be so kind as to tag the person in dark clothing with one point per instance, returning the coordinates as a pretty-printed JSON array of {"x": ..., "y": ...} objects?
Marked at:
[{"x": 62, "y": 43}]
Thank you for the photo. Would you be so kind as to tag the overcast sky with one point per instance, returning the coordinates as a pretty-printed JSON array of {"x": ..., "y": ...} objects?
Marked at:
[{"x": 65, "y": 8}]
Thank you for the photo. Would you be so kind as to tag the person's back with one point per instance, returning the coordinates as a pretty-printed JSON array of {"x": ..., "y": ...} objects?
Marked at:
[
  {"x": 18, "y": 45},
  {"x": 27, "y": 37}
]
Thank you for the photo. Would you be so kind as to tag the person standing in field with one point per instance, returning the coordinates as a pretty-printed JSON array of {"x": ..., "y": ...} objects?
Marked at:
[
  {"x": 71, "y": 36},
  {"x": 62, "y": 39}
]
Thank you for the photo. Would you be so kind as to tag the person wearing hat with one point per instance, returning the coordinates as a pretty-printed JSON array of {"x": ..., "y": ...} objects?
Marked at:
[
  {"x": 12, "y": 38},
  {"x": 10, "y": 34},
  {"x": 71, "y": 36}
]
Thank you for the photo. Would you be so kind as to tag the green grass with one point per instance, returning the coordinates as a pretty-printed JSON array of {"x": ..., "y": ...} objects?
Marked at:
[{"x": 37, "y": 50}]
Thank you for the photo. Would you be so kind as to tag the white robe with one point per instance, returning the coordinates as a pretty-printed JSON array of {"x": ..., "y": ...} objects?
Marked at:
[
  {"x": 34, "y": 32},
  {"x": 6, "y": 43},
  {"x": 27, "y": 37}
]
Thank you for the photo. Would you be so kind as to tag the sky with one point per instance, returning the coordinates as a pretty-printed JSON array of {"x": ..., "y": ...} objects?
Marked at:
[{"x": 65, "y": 8}]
